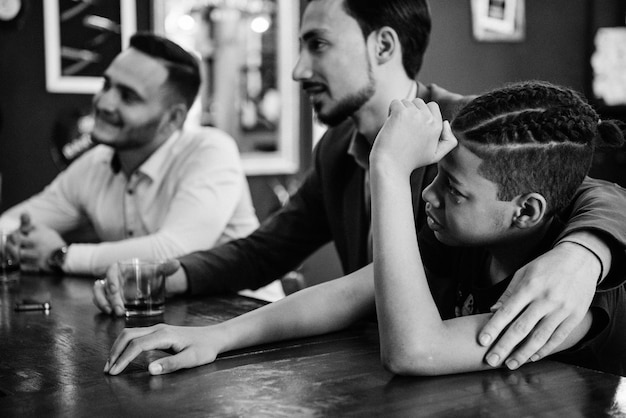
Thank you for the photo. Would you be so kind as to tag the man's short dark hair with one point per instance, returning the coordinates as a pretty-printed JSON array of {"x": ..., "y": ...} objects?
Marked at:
[
  {"x": 409, "y": 18},
  {"x": 183, "y": 67}
]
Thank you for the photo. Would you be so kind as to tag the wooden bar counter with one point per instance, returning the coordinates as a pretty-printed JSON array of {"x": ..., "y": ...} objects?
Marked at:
[{"x": 51, "y": 365}]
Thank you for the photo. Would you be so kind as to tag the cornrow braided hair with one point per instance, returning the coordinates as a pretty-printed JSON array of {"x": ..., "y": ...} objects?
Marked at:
[{"x": 534, "y": 137}]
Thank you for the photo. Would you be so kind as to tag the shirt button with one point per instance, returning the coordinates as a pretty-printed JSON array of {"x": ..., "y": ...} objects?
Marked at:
[
  {"x": 130, "y": 191},
  {"x": 130, "y": 233}
]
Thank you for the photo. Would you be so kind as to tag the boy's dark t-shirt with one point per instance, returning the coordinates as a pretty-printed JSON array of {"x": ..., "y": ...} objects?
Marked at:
[{"x": 459, "y": 286}]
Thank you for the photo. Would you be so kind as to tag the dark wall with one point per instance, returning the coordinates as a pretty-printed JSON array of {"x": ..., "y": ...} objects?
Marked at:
[{"x": 557, "y": 48}]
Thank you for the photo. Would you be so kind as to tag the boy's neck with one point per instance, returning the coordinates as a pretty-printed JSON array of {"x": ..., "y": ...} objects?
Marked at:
[{"x": 505, "y": 259}]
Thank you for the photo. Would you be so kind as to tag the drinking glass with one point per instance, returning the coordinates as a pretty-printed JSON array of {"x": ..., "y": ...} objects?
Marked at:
[{"x": 142, "y": 286}]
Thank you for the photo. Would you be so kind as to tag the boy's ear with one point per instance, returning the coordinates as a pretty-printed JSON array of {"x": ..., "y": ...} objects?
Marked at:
[
  {"x": 386, "y": 44},
  {"x": 531, "y": 209}
]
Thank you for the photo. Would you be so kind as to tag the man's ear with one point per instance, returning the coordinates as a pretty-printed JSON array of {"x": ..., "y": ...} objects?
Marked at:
[
  {"x": 386, "y": 44},
  {"x": 172, "y": 119},
  {"x": 178, "y": 113},
  {"x": 530, "y": 210}
]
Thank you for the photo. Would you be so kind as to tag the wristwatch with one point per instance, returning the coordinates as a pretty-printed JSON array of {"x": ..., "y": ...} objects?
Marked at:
[{"x": 57, "y": 259}]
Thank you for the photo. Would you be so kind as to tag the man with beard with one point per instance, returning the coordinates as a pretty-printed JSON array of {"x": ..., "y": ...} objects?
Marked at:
[
  {"x": 149, "y": 188},
  {"x": 356, "y": 56}
]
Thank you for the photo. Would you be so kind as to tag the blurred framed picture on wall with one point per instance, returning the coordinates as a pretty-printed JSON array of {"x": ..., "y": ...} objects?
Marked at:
[
  {"x": 247, "y": 50},
  {"x": 498, "y": 20},
  {"x": 81, "y": 39}
]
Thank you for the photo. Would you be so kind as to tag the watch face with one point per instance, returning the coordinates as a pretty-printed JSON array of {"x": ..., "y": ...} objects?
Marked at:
[{"x": 9, "y": 9}]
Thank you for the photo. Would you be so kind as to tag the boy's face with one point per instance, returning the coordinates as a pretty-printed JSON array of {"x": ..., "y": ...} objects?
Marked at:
[
  {"x": 333, "y": 68},
  {"x": 462, "y": 206}
]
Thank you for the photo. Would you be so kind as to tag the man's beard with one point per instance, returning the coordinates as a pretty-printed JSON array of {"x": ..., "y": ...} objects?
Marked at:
[
  {"x": 135, "y": 137},
  {"x": 347, "y": 106}
]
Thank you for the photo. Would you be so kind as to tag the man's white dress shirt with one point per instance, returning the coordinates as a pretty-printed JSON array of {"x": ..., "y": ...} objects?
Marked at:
[{"x": 190, "y": 194}]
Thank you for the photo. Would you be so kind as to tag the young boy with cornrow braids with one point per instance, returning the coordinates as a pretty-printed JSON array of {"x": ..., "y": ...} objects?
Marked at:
[
  {"x": 509, "y": 166},
  {"x": 522, "y": 153}
]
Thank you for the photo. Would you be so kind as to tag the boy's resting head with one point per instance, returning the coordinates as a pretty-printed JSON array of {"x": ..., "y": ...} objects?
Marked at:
[{"x": 534, "y": 137}]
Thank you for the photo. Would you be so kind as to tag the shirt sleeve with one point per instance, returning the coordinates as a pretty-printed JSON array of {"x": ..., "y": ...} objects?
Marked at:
[
  {"x": 210, "y": 186},
  {"x": 58, "y": 206},
  {"x": 604, "y": 345},
  {"x": 598, "y": 207}
]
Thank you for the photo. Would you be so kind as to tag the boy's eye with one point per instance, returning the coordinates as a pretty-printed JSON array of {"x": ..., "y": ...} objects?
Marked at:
[{"x": 452, "y": 190}]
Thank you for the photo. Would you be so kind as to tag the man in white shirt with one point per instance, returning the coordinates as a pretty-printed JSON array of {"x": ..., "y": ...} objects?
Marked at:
[{"x": 150, "y": 188}]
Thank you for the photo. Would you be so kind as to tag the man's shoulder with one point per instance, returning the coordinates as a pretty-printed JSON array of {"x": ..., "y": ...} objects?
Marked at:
[
  {"x": 206, "y": 139},
  {"x": 449, "y": 102},
  {"x": 94, "y": 157}
]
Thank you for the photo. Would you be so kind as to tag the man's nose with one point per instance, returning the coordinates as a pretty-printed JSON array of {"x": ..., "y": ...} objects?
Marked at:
[
  {"x": 302, "y": 70},
  {"x": 105, "y": 100}
]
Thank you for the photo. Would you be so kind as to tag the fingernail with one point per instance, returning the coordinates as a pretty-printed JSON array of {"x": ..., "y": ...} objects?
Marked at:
[
  {"x": 107, "y": 310},
  {"x": 155, "y": 368},
  {"x": 119, "y": 311},
  {"x": 512, "y": 364},
  {"x": 106, "y": 367},
  {"x": 113, "y": 370},
  {"x": 534, "y": 357},
  {"x": 485, "y": 339},
  {"x": 495, "y": 307},
  {"x": 493, "y": 360}
]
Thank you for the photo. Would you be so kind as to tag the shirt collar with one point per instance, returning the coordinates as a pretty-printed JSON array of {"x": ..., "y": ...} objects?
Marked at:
[
  {"x": 359, "y": 145},
  {"x": 155, "y": 162}
]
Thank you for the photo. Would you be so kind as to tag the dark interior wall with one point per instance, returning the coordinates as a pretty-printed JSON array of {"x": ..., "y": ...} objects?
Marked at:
[{"x": 557, "y": 48}]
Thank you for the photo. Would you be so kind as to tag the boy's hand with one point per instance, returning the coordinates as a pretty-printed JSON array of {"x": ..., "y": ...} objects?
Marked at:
[
  {"x": 191, "y": 347},
  {"x": 544, "y": 302},
  {"x": 412, "y": 136}
]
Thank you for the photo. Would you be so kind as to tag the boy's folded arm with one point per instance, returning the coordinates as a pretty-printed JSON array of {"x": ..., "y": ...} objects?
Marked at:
[{"x": 451, "y": 346}]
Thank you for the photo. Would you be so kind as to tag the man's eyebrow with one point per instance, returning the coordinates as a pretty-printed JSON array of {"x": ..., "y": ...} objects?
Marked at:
[
  {"x": 313, "y": 33},
  {"x": 123, "y": 87}
]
